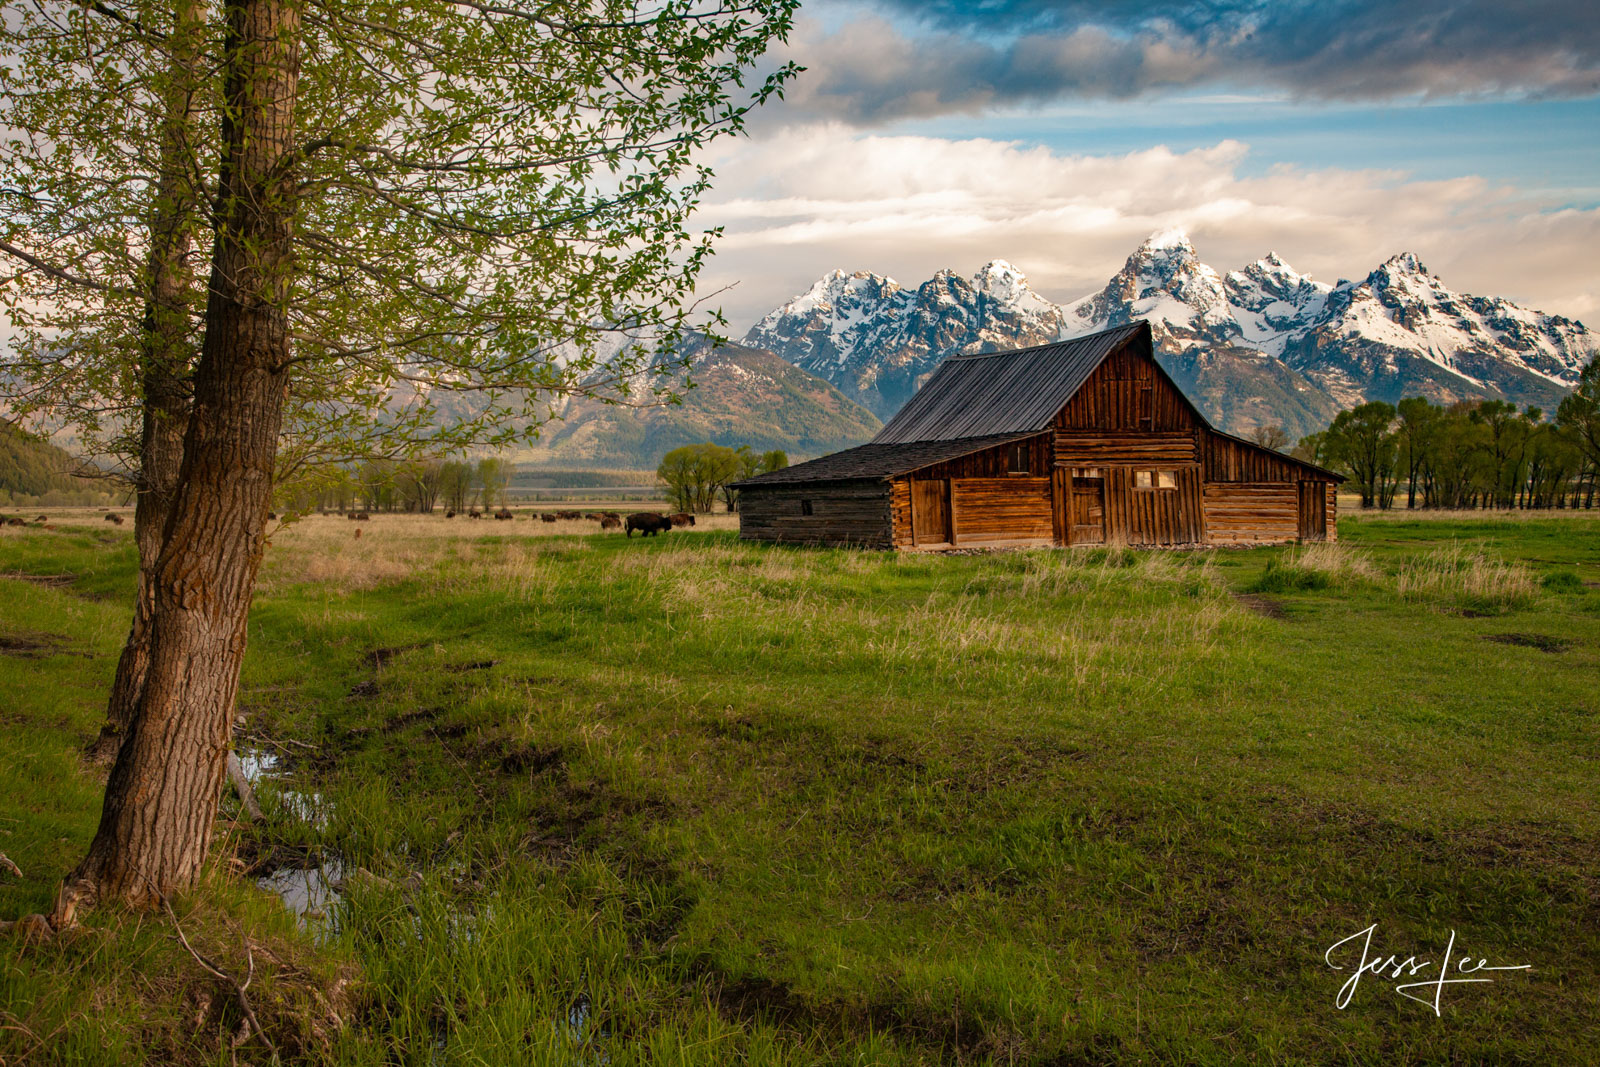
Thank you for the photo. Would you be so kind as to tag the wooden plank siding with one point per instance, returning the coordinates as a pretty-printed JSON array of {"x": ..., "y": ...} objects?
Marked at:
[
  {"x": 1227, "y": 460},
  {"x": 1154, "y": 516},
  {"x": 1252, "y": 512},
  {"x": 1128, "y": 392},
  {"x": 1001, "y": 510},
  {"x": 1075, "y": 448},
  {"x": 842, "y": 513},
  {"x": 992, "y": 462}
]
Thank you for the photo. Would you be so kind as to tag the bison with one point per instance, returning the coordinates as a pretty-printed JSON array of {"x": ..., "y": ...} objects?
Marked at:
[
  {"x": 361, "y": 516},
  {"x": 504, "y": 515},
  {"x": 682, "y": 518},
  {"x": 474, "y": 514},
  {"x": 546, "y": 516},
  {"x": 569, "y": 515},
  {"x": 648, "y": 523},
  {"x": 449, "y": 514},
  {"x": 610, "y": 522},
  {"x": 116, "y": 519}
]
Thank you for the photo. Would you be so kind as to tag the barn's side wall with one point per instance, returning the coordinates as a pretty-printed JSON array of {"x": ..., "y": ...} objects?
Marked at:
[
  {"x": 842, "y": 513},
  {"x": 1252, "y": 494}
]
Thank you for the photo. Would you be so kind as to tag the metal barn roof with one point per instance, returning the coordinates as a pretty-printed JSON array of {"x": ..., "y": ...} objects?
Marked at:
[
  {"x": 1001, "y": 392},
  {"x": 874, "y": 461}
]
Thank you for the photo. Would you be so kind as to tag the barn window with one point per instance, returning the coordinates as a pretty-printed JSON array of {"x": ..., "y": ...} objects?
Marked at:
[
  {"x": 805, "y": 507},
  {"x": 1146, "y": 406},
  {"x": 1086, "y": 472},
  {"x": 1155, "y": 479},
  {"x": 1021, "y": 459}
]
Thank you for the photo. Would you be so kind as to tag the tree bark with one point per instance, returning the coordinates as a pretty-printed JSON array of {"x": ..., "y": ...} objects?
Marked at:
[
  {"x": 166, "y": 352},
  {"x": 162, "y": 797}
]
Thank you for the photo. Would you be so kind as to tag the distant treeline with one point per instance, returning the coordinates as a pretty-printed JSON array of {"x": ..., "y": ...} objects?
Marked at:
[
  {"x": 1473, "y": 454},
  {"x": 417, "y": 485},
  {"x": 542, "y": 478},
  {"x": 34, "y": 473}
]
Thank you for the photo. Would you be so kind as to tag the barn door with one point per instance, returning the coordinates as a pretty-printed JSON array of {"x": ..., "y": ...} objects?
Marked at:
[
  {"x": 930, "y": 512},
  {"x": 1313, "y": 512},
  {"x": 1088, "y": 511}
]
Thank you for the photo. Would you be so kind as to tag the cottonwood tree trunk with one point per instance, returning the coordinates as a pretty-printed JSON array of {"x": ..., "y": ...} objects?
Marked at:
[
  {"x": 166, "y": 351},
  {"x": 161, "y": 800}
]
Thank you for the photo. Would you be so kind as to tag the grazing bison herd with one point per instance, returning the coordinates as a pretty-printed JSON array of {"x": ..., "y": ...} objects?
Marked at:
[{"x": 648, "y": 523}]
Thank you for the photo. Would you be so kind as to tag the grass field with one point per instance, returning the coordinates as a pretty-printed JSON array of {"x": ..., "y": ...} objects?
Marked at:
[{"x": 593, "y": 800}]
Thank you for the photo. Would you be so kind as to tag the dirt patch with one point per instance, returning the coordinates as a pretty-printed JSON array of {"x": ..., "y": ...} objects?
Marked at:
[
  {"x": 381, "y": 657},
  {"x": 33, "y": 644},
  {"x": 1543, "y": 642},
  {"x": 1262, "y": 605},
  {"x": 531, "y": 760},
  {"x": 364, "y": 689},
  {"x": 51, "y": 580},
  {"x": 411, "y": 718},
  {"x": 478, "y": 665}
]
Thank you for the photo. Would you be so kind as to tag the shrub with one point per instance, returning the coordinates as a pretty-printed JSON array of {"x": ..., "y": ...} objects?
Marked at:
[
  {"x": 1562, "y": 582},
  {"x": 1286, "y": 576}
]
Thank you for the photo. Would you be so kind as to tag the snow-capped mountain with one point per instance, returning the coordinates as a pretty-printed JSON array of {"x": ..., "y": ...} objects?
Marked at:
[
  {"x": 877, "y": 340},
  {"x": 1255, "y": 346}
]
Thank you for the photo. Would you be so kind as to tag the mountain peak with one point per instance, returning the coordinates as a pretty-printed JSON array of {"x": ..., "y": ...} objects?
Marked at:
[
  {"x": 1173, "y": 237},
  {"x": 1405, "y": 263}
]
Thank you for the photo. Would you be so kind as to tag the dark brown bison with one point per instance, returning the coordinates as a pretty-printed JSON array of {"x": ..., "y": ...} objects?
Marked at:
[
  {"x": 547, "y": 516},
  {"x": 42, "y": 518},
  {"x": 504, "y": 515},
  {"x": 449, "y": 514},
  {"x": 117, "y": 519},
  {"x": 474, "y": 514},
  {"x": 361, "y": 516},
  {"x": 569, "y": 515},
  {"x": 682, "y": 518},
  {"x": 648, "y": 523},
  {"x": 610, "y": 522}
]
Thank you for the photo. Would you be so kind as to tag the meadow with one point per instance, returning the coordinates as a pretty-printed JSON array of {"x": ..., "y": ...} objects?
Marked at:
[{"x": 561, "y": 797}]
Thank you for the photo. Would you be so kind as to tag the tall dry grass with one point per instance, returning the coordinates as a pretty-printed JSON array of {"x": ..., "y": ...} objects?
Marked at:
[{"x": 1467, "y": 576}]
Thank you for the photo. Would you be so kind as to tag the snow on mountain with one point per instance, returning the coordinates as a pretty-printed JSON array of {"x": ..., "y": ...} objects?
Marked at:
[
  {"x": 877, "y": 340},
  {"x": 1261, "y": 344}
]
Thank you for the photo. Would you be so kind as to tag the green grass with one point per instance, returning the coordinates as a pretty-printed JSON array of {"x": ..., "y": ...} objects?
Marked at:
[{"x": 694, "y": 801}]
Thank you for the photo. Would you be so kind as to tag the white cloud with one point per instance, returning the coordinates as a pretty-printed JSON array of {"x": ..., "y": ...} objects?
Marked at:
[{"x": 798, "y": 202}]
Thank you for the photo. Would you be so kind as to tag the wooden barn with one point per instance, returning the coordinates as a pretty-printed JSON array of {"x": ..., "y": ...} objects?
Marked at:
[{"x": 1086, "y": 441}]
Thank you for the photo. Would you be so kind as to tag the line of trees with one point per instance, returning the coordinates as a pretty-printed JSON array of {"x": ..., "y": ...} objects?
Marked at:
[
  {"x": 695, "y": 475},
  {"x": 1471, "y": 454},
  {"x": 420, "y": 485}
]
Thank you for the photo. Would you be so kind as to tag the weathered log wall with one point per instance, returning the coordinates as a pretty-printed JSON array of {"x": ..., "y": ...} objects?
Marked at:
[
  {"x": 996, "y": 510},
  {"x": 842, "y": 513},
  {"x": 1252, "y": 512}
]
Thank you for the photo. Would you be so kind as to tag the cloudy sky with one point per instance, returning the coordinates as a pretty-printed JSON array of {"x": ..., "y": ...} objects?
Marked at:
[{"x": 1057, "y": 134}]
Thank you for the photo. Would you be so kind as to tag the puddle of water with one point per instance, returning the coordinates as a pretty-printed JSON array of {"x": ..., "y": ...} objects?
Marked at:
[
  {"x": 308, "y": 892},
  {"x": 260, "y": 765}
]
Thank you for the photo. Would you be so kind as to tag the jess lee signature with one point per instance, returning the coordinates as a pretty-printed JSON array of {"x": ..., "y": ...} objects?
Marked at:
[{"x": 1394, "y": 967}]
